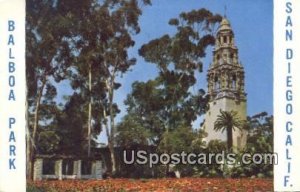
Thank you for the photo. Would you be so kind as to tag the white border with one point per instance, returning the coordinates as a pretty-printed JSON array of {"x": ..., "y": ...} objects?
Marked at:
[
  {"x": 12, "y": 180},
  {"x": 280, "y": 101}
]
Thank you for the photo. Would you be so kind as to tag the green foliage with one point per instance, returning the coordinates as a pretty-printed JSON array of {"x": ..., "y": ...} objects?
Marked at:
[
  {"x": 48, "y": 142},
  {"x": 164, "y": 108},
  {"x": 71, "y": 40},
  {"x": 216, "y": 146},
  {"x": 166, "y": 103},
  {"x": 48, "y": 56},
  {"x": 181, "y": 139},
  {"x": 259, "y": 140},
  {"x": 87, "y": 42},
  {"x": 71, "y": 126},
  {"x": 131, "y": 132},
  {"x": 210, "y": 169},
  {"x": 186, "y": 48},
  {"x": 260, "y": 135},
  {"x": 48, "y": 53},
  {"x": 157, "y": 109}
]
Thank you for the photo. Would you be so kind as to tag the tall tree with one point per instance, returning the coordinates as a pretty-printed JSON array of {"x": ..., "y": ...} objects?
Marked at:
[
  {"x": 260, "y": 132},
  {"x": 124, "y": 22},
  {"x": 47, "y": 58},
  {"x": 228, "y": 121},
  {"x": 104, "y": 30},
  {"x": 167, "y": 103},
  {"x": 178, "y": 58},
  {"x": 150, "y": 106},
  {"x": 89, "y": 29}
]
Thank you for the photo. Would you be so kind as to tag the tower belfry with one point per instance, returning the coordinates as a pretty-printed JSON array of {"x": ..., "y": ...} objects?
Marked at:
[{"x": 225, "y": 79}]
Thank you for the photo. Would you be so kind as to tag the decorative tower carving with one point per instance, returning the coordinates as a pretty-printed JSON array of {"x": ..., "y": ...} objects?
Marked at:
[{"x": 225, "y": 79}]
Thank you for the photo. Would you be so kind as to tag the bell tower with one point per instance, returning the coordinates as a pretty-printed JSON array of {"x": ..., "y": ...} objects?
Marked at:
[{"x": 226, "y": 82}]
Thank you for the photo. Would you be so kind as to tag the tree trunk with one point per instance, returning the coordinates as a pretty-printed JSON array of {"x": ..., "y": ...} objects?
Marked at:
[
  {"x": 112, "y": 130},
  {"x": 110, "y": 143},
  {"x": 28, "y": 137},
  {"x": 110, "y": 133},
  {"x": 166, "y": 150},
  {"x": 113, "y": 158},
  {"x": 35, "y": 127},
  {"x": 90, "y": 111},
  {"x": 229, "y": 138}
]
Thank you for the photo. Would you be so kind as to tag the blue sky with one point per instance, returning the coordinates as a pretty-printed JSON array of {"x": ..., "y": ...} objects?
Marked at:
[{"x": 252, "y": 23}]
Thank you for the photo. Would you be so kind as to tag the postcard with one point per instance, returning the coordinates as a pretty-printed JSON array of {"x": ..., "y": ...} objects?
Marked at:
[{"x": 149, "y": 95}]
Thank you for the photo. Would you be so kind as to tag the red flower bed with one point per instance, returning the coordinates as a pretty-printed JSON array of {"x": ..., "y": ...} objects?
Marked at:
[{"x": 158, "y": 185}]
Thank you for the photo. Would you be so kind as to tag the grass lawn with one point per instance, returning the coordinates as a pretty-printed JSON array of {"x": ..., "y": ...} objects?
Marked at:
[{"x": 183, "y": 184}]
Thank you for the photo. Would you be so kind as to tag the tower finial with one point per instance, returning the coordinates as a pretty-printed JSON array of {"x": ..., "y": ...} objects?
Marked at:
[{"x": 225, "y": 10}]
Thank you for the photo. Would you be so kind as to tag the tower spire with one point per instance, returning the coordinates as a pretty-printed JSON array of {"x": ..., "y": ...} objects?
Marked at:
[
  {"x": 226, "y": 74},
  {"x": 225, "y": 10}
]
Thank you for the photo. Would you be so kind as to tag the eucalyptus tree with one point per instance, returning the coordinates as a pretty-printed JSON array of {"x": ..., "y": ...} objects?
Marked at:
[
  {"x": 48, "y": 56},
  {"x": 124, "y": 23},
  {"x": 90, "y": 31},
  {"x": 178, "y": 58},
  {"x": 166, "y": 105},
  {"x": 104, "y": 34}
]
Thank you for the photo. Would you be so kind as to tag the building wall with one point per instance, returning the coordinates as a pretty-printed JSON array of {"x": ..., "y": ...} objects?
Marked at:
[
  {"x": 97, "y": 170},
  {"x": 225, "y": 104}
]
